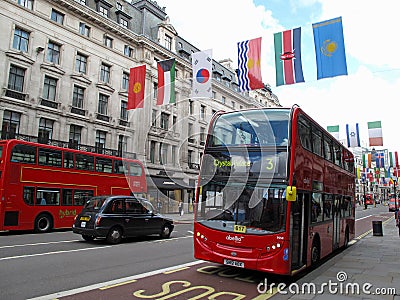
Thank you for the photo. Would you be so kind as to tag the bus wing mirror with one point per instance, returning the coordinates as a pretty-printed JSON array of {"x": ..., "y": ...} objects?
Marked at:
[{"x": 291, "y": 193}]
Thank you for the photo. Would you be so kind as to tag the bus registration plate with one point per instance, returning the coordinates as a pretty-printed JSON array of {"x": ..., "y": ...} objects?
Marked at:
[
  {"x": 239, "y": 228},
  {"x": 234, "y": 263}
]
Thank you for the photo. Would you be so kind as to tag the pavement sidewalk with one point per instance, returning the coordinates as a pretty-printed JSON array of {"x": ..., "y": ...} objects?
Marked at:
[{"x": 371, "y": 263}]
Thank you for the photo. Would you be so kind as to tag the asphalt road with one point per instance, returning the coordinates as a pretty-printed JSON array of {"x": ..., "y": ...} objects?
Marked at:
[{"x": 32, "y": 265}]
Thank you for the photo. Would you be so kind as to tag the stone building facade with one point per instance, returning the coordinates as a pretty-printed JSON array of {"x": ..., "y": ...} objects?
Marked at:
[{"x": 65, "y": 77}]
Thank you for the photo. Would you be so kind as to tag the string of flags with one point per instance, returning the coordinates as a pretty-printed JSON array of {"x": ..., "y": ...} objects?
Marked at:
[
  {"x": 330, "y": 61},
  {"x": 353, "y": 134}
]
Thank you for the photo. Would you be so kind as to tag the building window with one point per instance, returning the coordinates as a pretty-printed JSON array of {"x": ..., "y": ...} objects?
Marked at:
[
  {"x": 202, "y": 135},
  {"x": 26, "y": 3},
  {"x": 49, "y": 88},
  {"x": 10, "y": 126},
  {"x": 105, "y": 73},
  {"x": 103, "y": 104},
  {"x": 84, "y": 29},
  {"x": 104, "y": 11},
  {"x": 75, "y": 134},
  {"x": 108, "y": 42},
  {"x": 214, "y": 95},
  {"x": 124, "y": 23},
  {"x": 57, "y": 17},
  {"x": 78, "y": 96},
  {"x": 16, "y": 79},
  {"x": 173, "y": 154},
  {"x": 152, "y": 151},
  {"x": 233, "y": 104},
  {"x": 190, "y": 107},
  {"x": 164, "y": 120},
  {"x": 163, "y": 154},
  {"x": 53, "y": 53},
  {"x": 154, "y": 118},
  {"x": 128, "y": 51},
  {"x": 122, "y": 144},
  {"x": 124, "y": 111},
  {"x": 190, "y": 154},
  {"x": 81, "y": 63},
  {"x": 125, "y": 81},
  {"x": 21, "y": 40},
  {"x": 155, "y": 90},
  {"x": 45, "y": 130},
  {"x": 168, "y": 42},
  {"x": 100, "y": 141},
  {"x": 223, "y": 99},
  {"x": 190, "y": 133},
  {"x": 202, "y": 112}
]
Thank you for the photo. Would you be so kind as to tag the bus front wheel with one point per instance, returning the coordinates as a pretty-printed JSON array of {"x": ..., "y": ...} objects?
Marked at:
[{"x": 43, "y": 223}]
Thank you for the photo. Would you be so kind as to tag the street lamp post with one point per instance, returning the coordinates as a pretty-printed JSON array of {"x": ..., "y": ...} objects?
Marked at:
[{"x": 364, "y": 197}]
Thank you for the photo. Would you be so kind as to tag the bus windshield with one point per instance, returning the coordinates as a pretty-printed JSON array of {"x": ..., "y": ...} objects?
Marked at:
[
  {"x": 268, "y": 127},
  {"x": 259, "y": 209}
]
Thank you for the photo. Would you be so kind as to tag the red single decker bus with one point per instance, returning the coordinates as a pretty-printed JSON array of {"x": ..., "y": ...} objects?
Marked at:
[
  {"x": 44, "y": 187},
  {"x": 276, "y": 192}
]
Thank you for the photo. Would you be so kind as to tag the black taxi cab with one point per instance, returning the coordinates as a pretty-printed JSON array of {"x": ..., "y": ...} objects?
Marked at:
[{"x": 116, "y": 217}]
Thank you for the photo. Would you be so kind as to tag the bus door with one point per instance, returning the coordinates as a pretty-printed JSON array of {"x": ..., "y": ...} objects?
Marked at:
[
  {"x": 299, "y": 229},
  {"x": 336, "y": 222}
]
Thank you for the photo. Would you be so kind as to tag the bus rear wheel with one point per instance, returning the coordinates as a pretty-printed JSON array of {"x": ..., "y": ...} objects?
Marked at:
[
  {"x": 43, "y": 223},
  {"x": 315, "y": 253}
]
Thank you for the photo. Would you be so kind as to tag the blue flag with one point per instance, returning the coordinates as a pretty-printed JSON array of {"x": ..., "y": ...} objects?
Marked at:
[{"x": 329, "y": 48}]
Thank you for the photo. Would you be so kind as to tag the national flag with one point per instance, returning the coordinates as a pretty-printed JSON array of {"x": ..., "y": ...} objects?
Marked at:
[
  {"x": 137, "y": 78},
  {"x": 249, "y": 65},
  {"x": 375, "y": 133},
  {"x": 166, "y": 82},
  {"x": 353, "y": 136},
  {"x": 366, "y": 160},
  {"x": 329, "y": 48},
  {"x": 380, "y": 159},
  {"x": 202, "y": 67},
  {"x": 288, "y": 67},
  {"x": 393, "y": 159},
  {"x": 334, "y": 130}
]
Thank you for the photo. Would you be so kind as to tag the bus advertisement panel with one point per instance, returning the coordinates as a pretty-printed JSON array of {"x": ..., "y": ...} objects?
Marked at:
[
  {"x": 44, "y": 187},
  {"x": 275, "y": 191}
]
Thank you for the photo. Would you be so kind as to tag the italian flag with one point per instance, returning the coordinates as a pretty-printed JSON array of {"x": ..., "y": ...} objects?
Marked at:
[
  {"x": 166, "y": 82},
  {"x": 375, "y": 133},
  {"x": 334, "y": 130},
  {"x": 288, "y": 68}
]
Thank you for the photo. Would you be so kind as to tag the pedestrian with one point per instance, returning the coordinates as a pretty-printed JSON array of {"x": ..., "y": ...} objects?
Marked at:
[{"x": 180, "y": 206}]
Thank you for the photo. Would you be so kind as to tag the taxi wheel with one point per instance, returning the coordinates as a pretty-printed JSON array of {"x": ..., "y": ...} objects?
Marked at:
[
  {"x": 87, "y": 238},
  {"x": 114, "y": 236},
  {"x": 165, "y": 231}
]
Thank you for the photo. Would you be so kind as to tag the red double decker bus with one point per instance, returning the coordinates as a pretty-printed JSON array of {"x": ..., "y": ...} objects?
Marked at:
[
  {"x": 44, "y": 187},
  {"x": 275, "y": 192}
]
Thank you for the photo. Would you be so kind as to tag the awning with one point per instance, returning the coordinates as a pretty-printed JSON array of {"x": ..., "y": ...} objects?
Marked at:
[{"x": 167, "y": 183}]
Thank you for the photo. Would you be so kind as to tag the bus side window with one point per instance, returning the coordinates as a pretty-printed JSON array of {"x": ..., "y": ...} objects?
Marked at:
[
  {"x": 304, "y": 132},
  {"x": 68, "y": 160},
  {"x": 29, "y": 195}
]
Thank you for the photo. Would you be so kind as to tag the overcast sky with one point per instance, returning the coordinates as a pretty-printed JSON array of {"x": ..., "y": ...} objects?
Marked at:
[{"x": 370, "y": 91}]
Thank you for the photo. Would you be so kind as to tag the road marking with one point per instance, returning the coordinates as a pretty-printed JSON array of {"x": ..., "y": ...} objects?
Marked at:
[
  {"x": 117, "y": 284},
  {"x": 37, "y": 244},
  {"x": 113, "y": 282},
  {"x": 53, "y": 252},
  {"x": 176, "y": 270}
]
